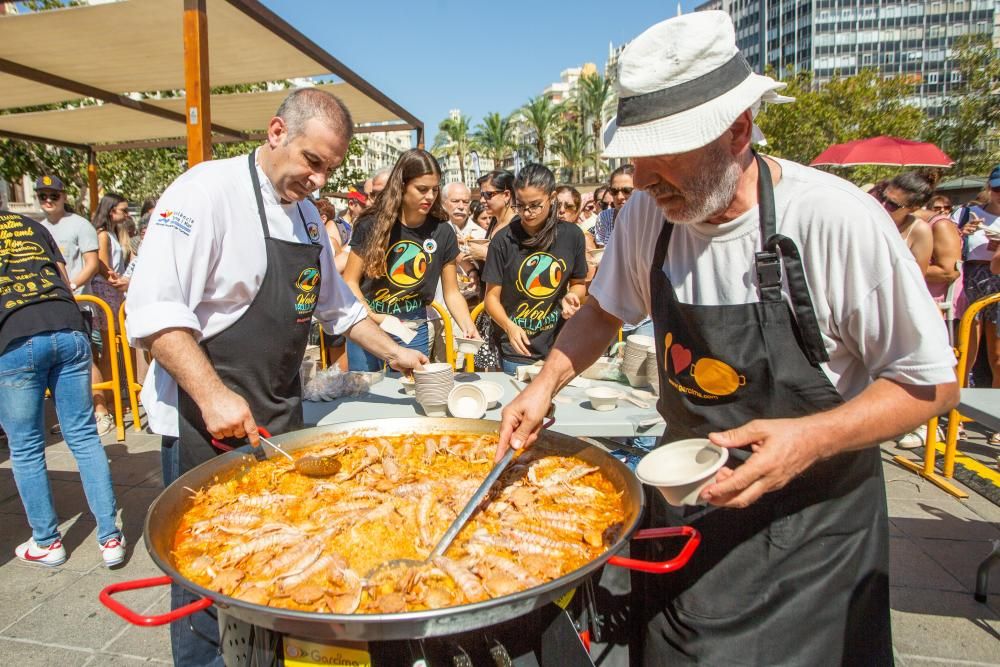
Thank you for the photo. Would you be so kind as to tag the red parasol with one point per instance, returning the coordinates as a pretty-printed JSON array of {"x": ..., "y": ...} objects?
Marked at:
[{"x": 885, "y": 151}]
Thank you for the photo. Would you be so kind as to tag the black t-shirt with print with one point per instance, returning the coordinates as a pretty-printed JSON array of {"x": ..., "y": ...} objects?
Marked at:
[
  {"x": 533, "y": 283},
  {"x": 33, "y": 296},
  {"x": 413, "y": 265}
]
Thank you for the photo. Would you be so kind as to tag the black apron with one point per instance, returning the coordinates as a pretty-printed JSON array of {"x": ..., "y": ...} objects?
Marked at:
[
  {"x": 260, "y": 355},
  {"x": 801, "y": 576}
]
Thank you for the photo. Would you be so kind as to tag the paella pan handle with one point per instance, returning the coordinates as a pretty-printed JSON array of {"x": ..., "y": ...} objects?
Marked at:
[
  {"x": 139, "y": 619},
  {"x": 675, "y": 563},
  {"x": 218, "y": 444}
]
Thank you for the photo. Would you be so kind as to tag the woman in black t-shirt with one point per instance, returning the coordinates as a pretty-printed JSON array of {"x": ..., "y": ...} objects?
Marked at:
[
  {"x": 535, "y": 272},
  {"x": 400, "y": 250}
]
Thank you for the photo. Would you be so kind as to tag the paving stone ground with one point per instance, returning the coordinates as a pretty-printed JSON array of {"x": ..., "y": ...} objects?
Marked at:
[{"x": 53, "y": 617}]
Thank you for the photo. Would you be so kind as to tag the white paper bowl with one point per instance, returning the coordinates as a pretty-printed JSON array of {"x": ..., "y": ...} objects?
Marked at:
[
  {"x": 492, "y": 391},
  {"x": 409, "y": 385},
  {"x": 436, "y": 410},
  {"x": 468, "y": 345},
  {"x": 467, "y": 401},
  {"x": 604, "y": 398},
  {"x": 681, "y": 470},
  {"x": 433, "y": 369},
  {"x": 644, "y": 342}
]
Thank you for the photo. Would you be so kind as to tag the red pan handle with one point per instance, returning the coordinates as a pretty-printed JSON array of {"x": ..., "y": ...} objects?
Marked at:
[
  {"x": 227, "y": 448},
  {"x": 675, "y": 563},
  {"x": 148, "y": 621}
]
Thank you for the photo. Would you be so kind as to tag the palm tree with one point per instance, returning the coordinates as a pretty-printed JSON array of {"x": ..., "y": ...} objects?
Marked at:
[
  {"x": 496, "y": 136},
  {"x": 593, "y": 98},
  {"x": 571, "y": 145},
  {"x": 542, "y": 116},
  {"x": 453, "y": 139}
]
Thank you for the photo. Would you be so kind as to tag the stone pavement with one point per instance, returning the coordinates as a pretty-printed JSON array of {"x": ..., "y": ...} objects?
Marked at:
[{"x": 53, "y": 617}]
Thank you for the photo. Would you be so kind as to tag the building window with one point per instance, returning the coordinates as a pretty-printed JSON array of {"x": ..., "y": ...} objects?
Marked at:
[
  {"x": 956, "y": 77},
  {"x": 866, "y": 59},
  {"x": 932, "y": 77}
]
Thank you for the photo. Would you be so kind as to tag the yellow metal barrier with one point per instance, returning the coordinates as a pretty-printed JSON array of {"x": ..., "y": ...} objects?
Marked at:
[
  {"x": 131, "y": 385},
  {"x": 927, "y": 470},
  {"x": 323, "y": 362},
  {"x": 449, "y": 335},
  {"x": 114, "y": 384},
  {"x": 470, "y": 359}
]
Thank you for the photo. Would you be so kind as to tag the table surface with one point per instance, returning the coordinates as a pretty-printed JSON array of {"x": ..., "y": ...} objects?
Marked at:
[
  {"x": 983, "y": 405},
  {"x": 574, "y": 417}
]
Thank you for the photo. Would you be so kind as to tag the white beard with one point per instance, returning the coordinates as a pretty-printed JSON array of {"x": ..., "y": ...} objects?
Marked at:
[{"x": 709, "y": 191}]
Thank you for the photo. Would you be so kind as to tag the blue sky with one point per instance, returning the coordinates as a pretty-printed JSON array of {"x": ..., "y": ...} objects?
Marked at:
[{"x": 437, "y": 55}]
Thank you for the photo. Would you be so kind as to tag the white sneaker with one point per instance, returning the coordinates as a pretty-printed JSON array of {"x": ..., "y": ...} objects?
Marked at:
[
  {"x": 113, "y": 551},
  {"x": 914, "y": 439},
  {"x": 105, "y": 424},
  {"x": 50, "y": 556}
]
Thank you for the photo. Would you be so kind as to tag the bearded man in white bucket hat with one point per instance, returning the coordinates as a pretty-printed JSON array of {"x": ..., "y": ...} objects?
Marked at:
[{"x": 792, "y": 328}]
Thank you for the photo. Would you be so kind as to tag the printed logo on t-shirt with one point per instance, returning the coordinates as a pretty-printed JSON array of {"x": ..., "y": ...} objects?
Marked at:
[
  {"x": 406, "y": 263},
  {"x": 539, "y": 278},
  {"x": 175, "y": 220},
  {"x": 430, "y": 246},
  {"x": 540, "y": 275},
  {"x": 713, "y": 378}
]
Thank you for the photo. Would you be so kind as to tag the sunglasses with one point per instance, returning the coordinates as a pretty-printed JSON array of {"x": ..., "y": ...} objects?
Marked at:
[
  {"x": 940, "y": 208},
  {"x": 623, "y": 191},
  {"x": 888, "y": 204},
  {"x": 488, "y": 195},
  {"x": 568, "y": 207},
  {"x": 55, "y": 196}
]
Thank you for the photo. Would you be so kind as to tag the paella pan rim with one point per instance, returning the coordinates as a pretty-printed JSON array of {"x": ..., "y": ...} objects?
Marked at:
[{"x": 164, "y": 512}]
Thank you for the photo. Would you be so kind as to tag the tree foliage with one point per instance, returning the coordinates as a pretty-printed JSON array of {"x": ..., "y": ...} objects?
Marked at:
[
  {"x": 453, "y": 138},
  {"x": 495, "y": 135},
  {"x": 543, "y": 118}
]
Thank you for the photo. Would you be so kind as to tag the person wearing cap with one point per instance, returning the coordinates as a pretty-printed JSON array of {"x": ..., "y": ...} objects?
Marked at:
[
  {"x": 225, "y": 304},
  {"x": 357, "y": 201},
  {"x": 76, "y": 237},
  {"x": 792, "y": 328}
]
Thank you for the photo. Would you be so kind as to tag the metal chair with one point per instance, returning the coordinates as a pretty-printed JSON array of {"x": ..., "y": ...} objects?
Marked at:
[
  {"x": 449, "y": 336},
  {"x": 131, "y": 385},
  {"x": 114, "y": 384},
  {"x": 927, "y": 470}
]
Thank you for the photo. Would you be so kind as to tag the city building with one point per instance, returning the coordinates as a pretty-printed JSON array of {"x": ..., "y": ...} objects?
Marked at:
[
  {"x": 450, "y": 169},
  {"x": 382, "y": 149},
  {"x": 830, "y": 37}
]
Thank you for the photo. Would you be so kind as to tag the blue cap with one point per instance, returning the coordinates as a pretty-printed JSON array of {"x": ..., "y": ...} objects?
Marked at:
[
  {"x": 995, "y": 177},
  {"x": 49, "y": 183}
]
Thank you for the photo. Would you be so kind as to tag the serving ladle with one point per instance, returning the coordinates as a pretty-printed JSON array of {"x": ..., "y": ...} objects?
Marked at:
[{"x": 311, "y": 466}]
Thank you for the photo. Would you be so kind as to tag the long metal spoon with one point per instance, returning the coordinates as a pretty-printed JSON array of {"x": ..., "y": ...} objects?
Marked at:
[{"x": 311, "y": 466}]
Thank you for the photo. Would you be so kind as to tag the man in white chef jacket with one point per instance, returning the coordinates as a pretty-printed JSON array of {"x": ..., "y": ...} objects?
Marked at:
[{"x": 236, "y": 264}]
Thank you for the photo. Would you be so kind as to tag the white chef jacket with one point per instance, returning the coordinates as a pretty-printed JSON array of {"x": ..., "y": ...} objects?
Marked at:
[{"x": 203, "y": 261}]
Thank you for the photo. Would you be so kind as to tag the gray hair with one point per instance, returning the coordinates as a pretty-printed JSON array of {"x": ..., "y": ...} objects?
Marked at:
[
  {"x": 447, "y": 188},
  {"x": 307, "y": 103}
]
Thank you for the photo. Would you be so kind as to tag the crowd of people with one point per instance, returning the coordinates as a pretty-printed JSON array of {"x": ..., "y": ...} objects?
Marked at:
[{"x": 796, "y": 279}]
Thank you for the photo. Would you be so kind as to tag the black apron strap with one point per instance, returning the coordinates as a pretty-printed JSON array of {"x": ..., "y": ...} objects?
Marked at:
[
  {"x": 781, "y": 251},
  {"x": 662, "y": 244},
  {"x": 256, "y": 193}
]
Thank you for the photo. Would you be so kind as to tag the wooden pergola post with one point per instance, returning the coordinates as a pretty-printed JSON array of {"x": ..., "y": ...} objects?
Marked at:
[
  {"x": 196, "y": 83},
  {"x": 92, "y": 180}
]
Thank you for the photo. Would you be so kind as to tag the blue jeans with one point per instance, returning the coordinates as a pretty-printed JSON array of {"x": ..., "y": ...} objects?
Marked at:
[
  {"x": 60, "y": 362},
  {"x": 359, "y": 359},
  {"x": 644, "y": 328}
]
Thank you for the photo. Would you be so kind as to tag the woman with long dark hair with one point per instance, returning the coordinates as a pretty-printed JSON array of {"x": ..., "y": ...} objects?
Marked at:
[
  {"x": 400, "y": 249},
  {"x": 114, "y": 250},
  {"x": 535, "y": 272}
]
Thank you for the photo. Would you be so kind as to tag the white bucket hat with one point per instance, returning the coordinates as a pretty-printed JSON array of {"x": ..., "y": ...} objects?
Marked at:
[{"x": 681, "y": 84}]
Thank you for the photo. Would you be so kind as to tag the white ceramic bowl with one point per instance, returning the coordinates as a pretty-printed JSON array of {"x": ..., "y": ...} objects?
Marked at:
[
  {"x": 681, "y": 470},
  {"x": 467, "y": 401},
  {"x": 468, "y": 345},
  {"x": 604, "y": 398},
  {"x": 492, "y": 391}
]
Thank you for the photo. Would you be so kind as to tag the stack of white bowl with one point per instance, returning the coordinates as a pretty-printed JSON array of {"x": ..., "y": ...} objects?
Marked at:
[
  {"x": 651, "y": 370},
  {"x": 432, "y": 385},
  {"x": 634, "y": 360}
]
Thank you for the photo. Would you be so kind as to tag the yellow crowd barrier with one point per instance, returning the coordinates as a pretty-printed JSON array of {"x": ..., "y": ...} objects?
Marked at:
[
  {"x": 114, "y": 384},
  {"x": 131, "y": 385},
  {"x": 931, "y": 445},
  {"x": 470, "y": 359}
]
